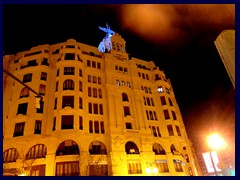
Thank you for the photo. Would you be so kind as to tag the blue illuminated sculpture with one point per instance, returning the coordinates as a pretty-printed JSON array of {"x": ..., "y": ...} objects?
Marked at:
[{"x": 106, "y": 43}]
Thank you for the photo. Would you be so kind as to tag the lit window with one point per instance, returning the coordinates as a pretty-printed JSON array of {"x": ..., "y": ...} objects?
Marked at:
[{"x": 160, "y": 89}]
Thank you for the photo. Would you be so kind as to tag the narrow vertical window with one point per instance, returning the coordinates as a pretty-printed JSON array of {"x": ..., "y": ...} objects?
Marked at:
[
  {"x": 101, "y": 109},
  {"x": 80, "y": 86},
  {"x": 90, "y": 127},
  {"x": 54, "y": 124},
  {"x": 102, "y": 127},
  {"x": 90, "y": 108},
  {"x": 80, "y": 103},
  {"x": 96, "y": 126},
  {"x": 38, "y": 127},
  {"x": 56, "y": 86},
  {"x": 89, "y": 92},
  {"x": 80, "y": 122},
  {"x": 100, "y": 93},
  {"x": 95, "y": 108},
  {"x": 55, "y": 103}
]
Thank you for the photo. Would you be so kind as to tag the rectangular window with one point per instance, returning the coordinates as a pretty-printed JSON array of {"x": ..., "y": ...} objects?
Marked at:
[
  {"x": 19, "y": 129},
  {"x": 134, "y": 167},
  {"x": 94, "y": 79},
  {"x": 90, "y": 127},
  {"x": 56, "y": 86},
  {"x": 38, "y": 127},
  {"x": 80, "y": 122},
  {"x": 98, "y": 65},
  {"x": 128, "y": 125},
  {"x": 158, "y": 132},
  {"x": 80, "y": 86},
  {"x": 90, "y": 108},
  {"x": 99, "y": 80},
  {"x": 152, "y": 102},
  {"x": 102, "y": 127},
  {"x": 67, "y": 122},
  {"x": 178, "y": 131},
  {"x": 57, "y": 73},
  {"x": 27, "y": 78},
  {"x": 166, "y": 114},
  {"x": 154, "y": 131},
  {"x": 80, "y": 72},
  {"x": 162, "y": 166},
  {"x": 100, "y": 93},
  {"x": 163, "y": 100},
  {"x": 101, "y": 109},
  {"x": 43, "y": 76},
  {"x": 178, "y": 165},
  {"x": 170, "y": 130},
  {"x": 32, "y": 63},
  {"x": 95, "y": 92},
  {"x": 22, "y": 108},
  {"x": 89, "y": 92},
  {"x": 95, "y": 108},
  {"x": 54, "y": 124},
  {"x": 88, "y": 63},
  {"x": 68, "y": 101},
  {"x": 80, "y": 103},
  {"x": 174, "y": 115},
  {"x": 126, "y": 110},
  {"x": 69, "y": 56},
  {"x": 67, "y": 168},
  {"x": 55, "y": 103},
  {"x": 155, "y": 115},
  {"x": 69, "y": 70},
  {"x": 89, "y": 78},
  {"x": 96, "y": 126}
]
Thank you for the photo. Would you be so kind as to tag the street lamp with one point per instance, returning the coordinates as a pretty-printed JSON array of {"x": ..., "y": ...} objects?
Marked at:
[
  {"x": 151, "y": 169},
  {"x": 216, "y": 142}
]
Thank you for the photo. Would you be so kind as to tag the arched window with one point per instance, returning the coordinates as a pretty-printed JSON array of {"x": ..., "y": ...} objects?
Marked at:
[
  {"x": 10, "y": 155},
  {"x": 157, "y": 149},
  {"x": 24, "y": 92},
  {"x": 97, "y": 147},
  {"x": 131, "y": 148},
  {"x": 37, "y": 151},
  {"x": 67, "y": 147},
  {"x": 124, "y": 97},
  {"x": 68, "y": 84}
]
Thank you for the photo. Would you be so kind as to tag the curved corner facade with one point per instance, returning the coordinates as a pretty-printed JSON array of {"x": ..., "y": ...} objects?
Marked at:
[{"x": 102, "y": 114}]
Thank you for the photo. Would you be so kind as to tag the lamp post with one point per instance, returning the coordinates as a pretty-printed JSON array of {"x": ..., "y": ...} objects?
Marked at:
[
  {"x": 151, "y": 169},
  {"x": 216, "y": 142}
]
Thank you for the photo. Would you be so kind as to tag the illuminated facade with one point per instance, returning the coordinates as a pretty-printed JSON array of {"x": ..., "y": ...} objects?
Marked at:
[{"x": 101, "y": 114}]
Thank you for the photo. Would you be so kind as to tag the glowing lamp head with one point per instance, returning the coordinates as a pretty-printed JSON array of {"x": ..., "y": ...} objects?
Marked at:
[{"x": 216, "y": 142}]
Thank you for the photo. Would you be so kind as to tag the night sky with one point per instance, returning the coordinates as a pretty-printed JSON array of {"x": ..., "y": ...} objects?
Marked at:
[{"x": 178, "y": 38}]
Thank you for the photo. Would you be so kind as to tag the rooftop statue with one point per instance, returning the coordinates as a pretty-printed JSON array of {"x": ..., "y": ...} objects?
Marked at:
[
  {"x": 106, "y": 43},
  {"x": 107, "y": 30}
]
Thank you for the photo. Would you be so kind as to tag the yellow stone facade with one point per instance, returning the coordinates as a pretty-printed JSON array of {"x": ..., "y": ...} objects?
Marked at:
[{"x": 102, "y": 114}]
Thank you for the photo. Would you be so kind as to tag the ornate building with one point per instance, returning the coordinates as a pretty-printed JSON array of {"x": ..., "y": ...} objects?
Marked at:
[{"x": 100, "y": 114}]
